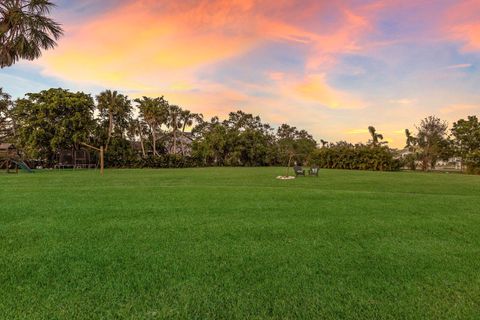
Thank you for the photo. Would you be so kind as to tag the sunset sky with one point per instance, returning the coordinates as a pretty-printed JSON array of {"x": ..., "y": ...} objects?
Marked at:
[{"x": 331, "y": 67}]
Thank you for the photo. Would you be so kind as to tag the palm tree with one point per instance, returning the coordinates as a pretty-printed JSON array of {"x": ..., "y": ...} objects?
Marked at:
[
  {"x": 174, "y": 122},
  {"x": 411, "y": 140},
  {"x": 154, "y": 112},
  {"x": 136, "y": 128},
  {"x": 324, "y": 143},
  {"x": 25, "y": 30},
  {"x": 116, "y": 107},
  {"x": 376, "y": 137},
  {"x": 187, "y": 118},
  {"x": 411, "y": 147}
]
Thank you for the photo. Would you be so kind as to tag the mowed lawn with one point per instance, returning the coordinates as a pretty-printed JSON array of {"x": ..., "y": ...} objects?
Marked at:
[{"x": 235, "y": 243}]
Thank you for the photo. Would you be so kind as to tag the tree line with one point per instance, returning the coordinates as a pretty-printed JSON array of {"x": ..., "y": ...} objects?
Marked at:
[
  {"x": 152, "y": 132},
  {"x": 142, "y": 132},
  {"x": 155, "y": 133}
]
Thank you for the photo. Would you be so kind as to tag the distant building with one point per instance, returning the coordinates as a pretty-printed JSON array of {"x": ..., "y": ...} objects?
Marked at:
[
  {"x": 404, "y": 153},
  {"x": 8, "y": 150},
  {"x": 451, "y": 163},
  {"x": 184, "y": 144},
  {"x": 454, "y": 163}
]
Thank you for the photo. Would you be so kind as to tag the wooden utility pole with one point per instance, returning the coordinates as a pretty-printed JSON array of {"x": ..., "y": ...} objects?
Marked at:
[
  {"x": 101, "y": 152},
  {"x": 288, "y": 164},
  {"x": 102, "y": 163}
]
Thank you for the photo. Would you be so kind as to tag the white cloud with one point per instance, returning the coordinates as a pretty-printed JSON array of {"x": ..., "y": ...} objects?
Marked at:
[{"x": 460, "y": 66}]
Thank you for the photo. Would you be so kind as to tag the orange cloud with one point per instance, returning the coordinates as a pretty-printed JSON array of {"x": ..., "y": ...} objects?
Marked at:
[
  {"x": 316, "y": 88},
  {"x": 141, "y": 39},
  {"x": 133, "y": 41},
  {"x": 150, "y": 48}
]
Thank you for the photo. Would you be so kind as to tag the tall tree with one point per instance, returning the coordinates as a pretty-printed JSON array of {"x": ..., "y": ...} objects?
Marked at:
[
  {"x": 53, "y": 119},
  {"x": 115, "y": 110},
  {"x": 376, "y": 137},
  {"x": 432, "y": 140},
  {"x": 411, "y": 145},
  {"x": 210, "y": 144},
  {"x": 5, "y": 120},
  {"x": 154, "y": 111},
  {"x": 294, "y": 143},
  {"x": 137, "y": 128},
  {"x": 174, "y": 122},
  {"x": 187, "y": 119},
  {"x": 411, "y": 141},
  {"x": 26, "y": 29},
  {"x": 466, "y": 135}
]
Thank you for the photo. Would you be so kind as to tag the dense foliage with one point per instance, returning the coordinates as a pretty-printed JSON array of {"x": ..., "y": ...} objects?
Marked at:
[
  {"x": 467, "y": 142},
  {"x": 344, "y": 155},
  {"x": 151, "y": 132},
  {"x": 5, "y": 120},
  {"x": 51, "y": 120},
  {"x": 433, "y": 141}
]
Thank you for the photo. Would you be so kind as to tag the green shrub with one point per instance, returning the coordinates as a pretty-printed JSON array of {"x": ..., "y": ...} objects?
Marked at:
[
  {"x": 472, "y": 162},
  {"x": 355, "y": 157}
]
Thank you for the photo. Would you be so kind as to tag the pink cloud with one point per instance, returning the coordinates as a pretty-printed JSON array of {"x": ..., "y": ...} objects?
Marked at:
[{"x": 462, "y": 24}]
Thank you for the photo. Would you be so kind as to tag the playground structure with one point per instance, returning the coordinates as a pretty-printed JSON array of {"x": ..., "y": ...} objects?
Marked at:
[
  {"x": 10, "y": 159},
  {"x": 75, "y": 159},
  {"x": 101, "y": 153}
]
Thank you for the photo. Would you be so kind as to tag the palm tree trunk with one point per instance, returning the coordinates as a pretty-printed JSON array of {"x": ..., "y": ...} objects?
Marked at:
[
  {"x": 183, "y": 138},
  {"x": 110, "y": 129},
  {"x": 154, "y": 142},
  {"x": 175, "y": 141},
  {"x": 141, "y": 144}
]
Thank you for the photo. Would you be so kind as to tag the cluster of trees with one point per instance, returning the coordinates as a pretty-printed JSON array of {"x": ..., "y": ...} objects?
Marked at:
[
  {"x": 243, "y": 140},
  {"x": 143, "y": 132},
  {"x": 151, "y": 132},
  {"x": 434, "y": 141}
]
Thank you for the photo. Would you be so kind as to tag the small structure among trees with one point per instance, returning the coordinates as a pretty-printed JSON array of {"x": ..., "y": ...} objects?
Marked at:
[
  {"x": 8, "y": 157},
  {"x": 8, "y": 150},
  {"x": 75, "y": 159}
]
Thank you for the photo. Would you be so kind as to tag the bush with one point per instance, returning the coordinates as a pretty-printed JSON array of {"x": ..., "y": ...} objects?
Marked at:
[
  {"x": 355, "y": 157},
  {"x": 472, "y": 162},
  {"x": 410, "y": 162},
  {"x": 167, "y": 161}
]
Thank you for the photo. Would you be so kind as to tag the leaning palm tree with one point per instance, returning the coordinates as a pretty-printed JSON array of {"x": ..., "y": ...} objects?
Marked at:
[
  {"x": 154, "y": 111},
  {"x": 25, "y": 29},
  {"x": 411, "y": 140},
  {"x": 116, "y": 107},
  {"x": 376, "y": 137},
  {"x": 137, "y": 128},
  {"x": 174, "y": 122},
  {"x": 187, "y": 119}
]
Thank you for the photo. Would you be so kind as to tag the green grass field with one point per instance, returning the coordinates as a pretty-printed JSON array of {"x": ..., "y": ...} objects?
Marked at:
[{"x": 235, "y": 243}]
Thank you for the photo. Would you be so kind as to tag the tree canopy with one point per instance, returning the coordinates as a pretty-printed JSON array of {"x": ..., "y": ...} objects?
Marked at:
[
  {"x": 53, "y": 119},
  {"x": 26, "y": 30}
]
